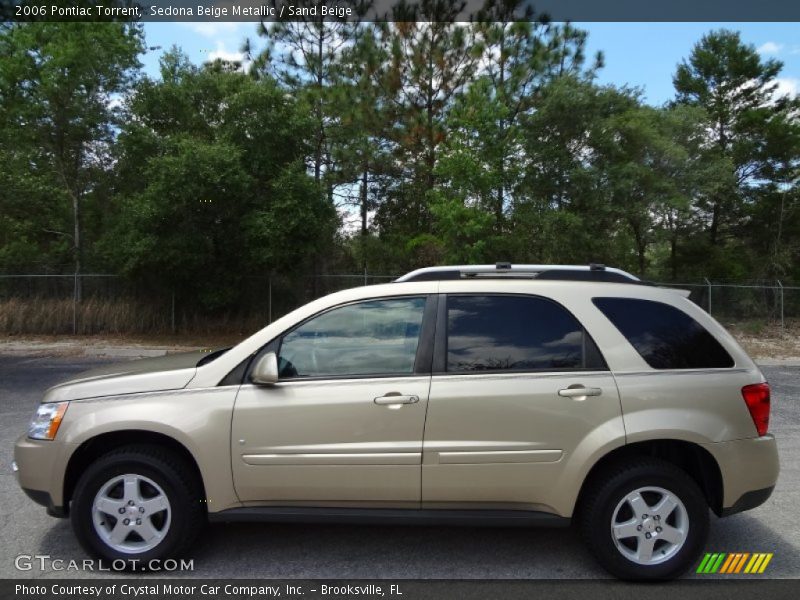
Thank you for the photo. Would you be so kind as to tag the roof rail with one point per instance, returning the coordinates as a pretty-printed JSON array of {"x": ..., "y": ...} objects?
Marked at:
[{"x": 591, "y": 272}]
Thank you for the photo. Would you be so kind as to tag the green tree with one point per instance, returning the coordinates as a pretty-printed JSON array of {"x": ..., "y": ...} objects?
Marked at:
[
  {"x": 775, "y": 218},
  {"x": 59, "y": 107},
  {"x": 688, "y": 173},
  {"x": 520, "y": 56},
  {"x": 431, "y": 61},
  {"x": 213, "y": 186},
  {"x": 563, "y": 210},
  {"x": 303, "y": 55},
  {"x": 359, "y": 146},
  {"x": 648, "y": 161},
  {"x": 482, "y": 159},
  {"x": 306, "y": 56},
  {"x": 470, "y": 172},
  {"x": 736, "y": 88}
]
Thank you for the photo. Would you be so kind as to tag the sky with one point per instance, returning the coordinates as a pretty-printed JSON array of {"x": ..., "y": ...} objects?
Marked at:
[{"x": 642, "y": 55}]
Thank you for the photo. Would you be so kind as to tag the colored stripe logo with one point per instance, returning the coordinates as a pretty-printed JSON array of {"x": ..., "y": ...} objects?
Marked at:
[{"x": 734, "y": 563}]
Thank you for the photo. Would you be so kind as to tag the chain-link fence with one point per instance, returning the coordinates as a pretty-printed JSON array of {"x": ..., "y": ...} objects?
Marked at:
[
  {"x": 105, "y": 303},
  {"x": 761, "y": 300},
  {"x": 97, "y": 303}
]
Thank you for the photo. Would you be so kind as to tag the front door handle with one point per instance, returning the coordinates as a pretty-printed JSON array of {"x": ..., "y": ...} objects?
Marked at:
[
  {"x": 396, "y": 399},
  {"x": 577, "y": 392}
]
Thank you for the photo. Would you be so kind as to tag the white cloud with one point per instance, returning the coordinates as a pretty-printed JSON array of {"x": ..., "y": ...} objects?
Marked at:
[
  {"x": 222, "y": 53},
  {"x": 769, "y": 48},
  {"x": 787, "y": 86}
]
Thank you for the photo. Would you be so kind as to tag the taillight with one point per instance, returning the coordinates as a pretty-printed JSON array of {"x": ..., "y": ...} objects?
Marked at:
[{"x": 756, "y": 397}]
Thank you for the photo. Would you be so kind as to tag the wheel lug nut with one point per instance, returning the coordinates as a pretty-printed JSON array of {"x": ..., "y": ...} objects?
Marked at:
[
  {"x": 647, "y": 535},
  {"x": 658, "y": 529},
  {"x": 644, "y": 516},
  {"x": 141, "y": 509},
  {"x": 130, "y": 503},
  {"x": 122, "y": 511},
  {"x": 657, "y": 518},
  {"x": 138, "y": 521},
  {"x": 126, "y": 522},
  {"x": 639, "y": 528}
]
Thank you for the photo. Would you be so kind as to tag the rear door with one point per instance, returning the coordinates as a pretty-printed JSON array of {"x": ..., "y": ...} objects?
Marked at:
[{"x": 518, "y": 389}]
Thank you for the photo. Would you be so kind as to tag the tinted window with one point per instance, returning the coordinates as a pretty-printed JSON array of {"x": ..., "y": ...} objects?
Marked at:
[
  {"x": 490, "y": 333},
  {"x": 375, "y": 337},
  {"x": 666, "y": 337}
]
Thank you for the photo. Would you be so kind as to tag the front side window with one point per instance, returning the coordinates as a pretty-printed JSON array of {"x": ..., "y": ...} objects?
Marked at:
[
  {"x": 664, "y": 336},
  {"x": 377, "y": 337},
  {"x": 515, "y": 333}
]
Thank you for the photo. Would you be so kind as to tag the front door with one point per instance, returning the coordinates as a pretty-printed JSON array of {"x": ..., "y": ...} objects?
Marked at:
[{"x": 343, "y": 426}]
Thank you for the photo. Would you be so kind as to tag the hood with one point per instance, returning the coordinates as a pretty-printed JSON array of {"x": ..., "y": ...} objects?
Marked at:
[{"x": 170, "y": 372}]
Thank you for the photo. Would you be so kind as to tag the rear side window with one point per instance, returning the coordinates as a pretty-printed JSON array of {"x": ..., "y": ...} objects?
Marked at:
[
  {"x": 665, "y": 337},
  {"x": 515, "y": 333}
]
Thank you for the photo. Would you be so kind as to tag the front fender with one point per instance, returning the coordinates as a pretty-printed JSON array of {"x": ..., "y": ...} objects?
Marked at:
[{"x": 198, "y": 419}]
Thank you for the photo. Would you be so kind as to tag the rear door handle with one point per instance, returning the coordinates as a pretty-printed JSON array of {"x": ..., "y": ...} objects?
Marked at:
[
  {"x": 398, "y": 399},
  {"x": 577, "y": 392}
]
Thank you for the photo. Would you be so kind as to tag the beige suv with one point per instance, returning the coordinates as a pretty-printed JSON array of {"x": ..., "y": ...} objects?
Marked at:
[{"x": 507, "y": 395}]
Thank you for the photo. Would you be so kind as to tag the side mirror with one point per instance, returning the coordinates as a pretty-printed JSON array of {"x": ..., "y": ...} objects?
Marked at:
[{"x": 265, "y": 371}]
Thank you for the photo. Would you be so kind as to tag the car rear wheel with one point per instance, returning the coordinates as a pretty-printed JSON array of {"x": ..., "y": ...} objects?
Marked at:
[
  {"x": 645, "y": 521},
  {"x": 135, "y": 505}
]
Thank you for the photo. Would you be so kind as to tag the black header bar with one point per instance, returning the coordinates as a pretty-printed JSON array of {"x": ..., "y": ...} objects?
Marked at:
[{"x": 396, "y": 10}]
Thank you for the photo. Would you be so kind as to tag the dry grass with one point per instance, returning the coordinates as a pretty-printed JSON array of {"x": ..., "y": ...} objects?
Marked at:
[
  {"x": 55, "y": 316},
  {"x": 119, "y": 317},
  {"x": 766, "y": 339}
]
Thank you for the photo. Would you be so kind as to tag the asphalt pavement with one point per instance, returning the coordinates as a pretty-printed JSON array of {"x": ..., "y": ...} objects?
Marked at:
[{"x": 347, "y": 551}]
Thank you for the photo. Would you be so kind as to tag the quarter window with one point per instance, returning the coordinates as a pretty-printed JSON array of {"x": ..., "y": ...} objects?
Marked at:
[
  {"x": 378, "y": 337},
  {"x": 515, "y": 333},
  {"x": 665, "y": 336}
]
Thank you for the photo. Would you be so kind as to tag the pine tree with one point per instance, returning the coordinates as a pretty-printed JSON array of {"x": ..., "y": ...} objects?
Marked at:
[{"x": 735, "y": 87}]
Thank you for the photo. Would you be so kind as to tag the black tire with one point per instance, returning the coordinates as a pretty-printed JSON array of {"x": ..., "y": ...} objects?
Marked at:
[
  {"x": 606, "y": 492},
  {"x": 178, "y": 482}
]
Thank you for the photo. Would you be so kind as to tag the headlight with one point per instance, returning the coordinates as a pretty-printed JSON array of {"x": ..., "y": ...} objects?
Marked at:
[{"x": 46, "y": 421}]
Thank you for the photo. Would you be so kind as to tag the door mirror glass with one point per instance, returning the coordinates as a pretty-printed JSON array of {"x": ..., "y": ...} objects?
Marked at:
[{"x": 265, "y": 371}]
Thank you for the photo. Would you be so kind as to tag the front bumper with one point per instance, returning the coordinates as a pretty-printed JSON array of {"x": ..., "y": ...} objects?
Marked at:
[
  {"x": 40, "y": 468},
  {"x": 749, "y": 469},
  {"x": 44, "y": 499}
]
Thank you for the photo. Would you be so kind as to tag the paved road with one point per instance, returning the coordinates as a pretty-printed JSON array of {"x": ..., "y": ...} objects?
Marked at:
[{"x": 314, "y": 551}]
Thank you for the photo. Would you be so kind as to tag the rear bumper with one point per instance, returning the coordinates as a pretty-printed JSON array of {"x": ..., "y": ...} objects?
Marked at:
[
  {"x": 747, "y": 501},
  {"x": 749, "y": 469}
]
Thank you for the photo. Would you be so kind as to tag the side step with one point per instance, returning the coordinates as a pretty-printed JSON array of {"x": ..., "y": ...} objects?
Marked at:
[{"x": 390, "y": 516}]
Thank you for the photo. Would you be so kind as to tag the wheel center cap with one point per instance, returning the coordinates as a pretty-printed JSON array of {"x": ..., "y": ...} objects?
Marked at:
[{"x": 648, "y": 525}]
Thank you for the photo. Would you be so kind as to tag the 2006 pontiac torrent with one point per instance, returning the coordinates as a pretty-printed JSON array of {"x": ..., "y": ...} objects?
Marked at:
[{"x": 502, "y": 394}]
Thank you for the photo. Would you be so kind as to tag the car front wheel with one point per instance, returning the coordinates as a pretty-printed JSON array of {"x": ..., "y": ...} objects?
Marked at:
[{"x": 136, "y": 505}]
